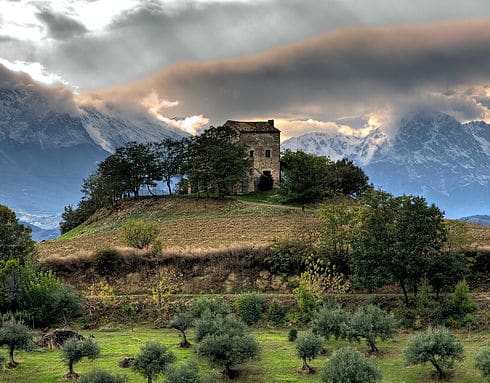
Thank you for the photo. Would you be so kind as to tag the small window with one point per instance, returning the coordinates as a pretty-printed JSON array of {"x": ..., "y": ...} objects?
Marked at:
[
  {"x": 268, "y": 153},
  {"x": 251, "y": 153}
]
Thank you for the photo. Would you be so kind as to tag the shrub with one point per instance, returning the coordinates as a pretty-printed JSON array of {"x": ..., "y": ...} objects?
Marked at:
[
  {"x": 482, "y": 361},
  {"x": 152, "y": 360},
  {"x": 181, "y": 322},
  {"x": 308, "y": 346},
  {"x": 286, "y": 257},
  {"x": 331, "y": 322},
  {"x": 209, "y": 306},
  {"x": 371, "y": 322},
  {"x": 139, "y": 233},
  {"x": 435, "y": 345},
  {"x": 292, "y": 334},
  {"x": 250, "y": 307},
  {"x": 460, "y": 308},
  {"x": 187, "y": 372},
  {"x": 107, "y": 261},
  {"x": 14, "y": 334},
  {"x": 348, "y": 365},
  {"x": 74, "y": 350},
  {"x": 277, "y": 313},
  {"x": 101, "y": 376}
]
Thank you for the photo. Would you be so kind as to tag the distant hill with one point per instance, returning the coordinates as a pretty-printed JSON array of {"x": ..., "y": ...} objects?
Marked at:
[
  {"x": 479, "y": 219},
  {"x": 38, "y": 234},
  {"x": 431, "y": 154}
]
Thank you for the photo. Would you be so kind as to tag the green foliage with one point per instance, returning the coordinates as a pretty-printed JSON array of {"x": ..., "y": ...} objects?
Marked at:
[
  {"x": 208, "y": 324},
  {"x": 394, "y": 240},
  {"x": 436, "y": 346},
  {"x": 332, "y": 322},
  {"x": 292, "y": 334},
  {"x": 14, "y": 334},
  {"x": 13, "y": 278},
  {"x": 445, "y": 270},
  {"x": 277, "y": 313},
  {"x": 107, "y": 261},
  {"x": 346, "y": 178},
  {"x": 217, "y": 162},
  {"x": 286, "y": 257},
  {"x": 308, "y": 347},
  {"x": 348, "y": 365},
  {"x": 371, "y": 322},
  {"x": 74, "y": 350},
  {"x": 102, "y": 376},
  {"x": 304, "y": 177},
  {"x": 460, "y": 308},
  {"x": 210, "y": 307},
  {"x": 170, "y": 158},
  {"x": 250, "y": 307},
  {"x": 187, "y": 372},
  {"x": 482, "y": 361},
  {"x": 153, "y": 360},
  {"x": 139, "y": 233},
  {"x": 15, "y": 239}
]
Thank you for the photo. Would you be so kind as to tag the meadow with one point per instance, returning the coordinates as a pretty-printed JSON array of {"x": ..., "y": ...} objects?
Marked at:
[{"x": 277, "y": 363}]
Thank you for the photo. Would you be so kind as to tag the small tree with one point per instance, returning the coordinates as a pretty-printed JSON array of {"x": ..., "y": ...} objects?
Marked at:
[
  {"x": 308, "y": 346},
  {"x": 210, "y": 307},
  {"x": 435, "y": 345},
  {"x": 14, "y": 334},
  {"x": 74, "y": 350},
  {"x": 348, "y": 365},
  {"x": 187, "y": 372},
  {"x": 250, "y": 307},
  {"x": 15, "y": 238},
  {"x": 371, "y": 322},
  {"x": 152, "y": 360},
  {"x": 332, "y": 322},
  {"x": 461, "y": 307},
  {"x": 139, "y": 233},
  {"x": 101, "y": 376},
  {"x": 182, "y": 321},
  {"x": 482, "y": 361}
]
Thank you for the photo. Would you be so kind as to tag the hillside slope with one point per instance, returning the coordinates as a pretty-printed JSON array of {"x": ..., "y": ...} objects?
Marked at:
[{"x": 185, "y": 222}]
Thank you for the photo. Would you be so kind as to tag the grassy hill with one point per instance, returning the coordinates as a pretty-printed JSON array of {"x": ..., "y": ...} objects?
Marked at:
[{"x": 185, "y": 222}]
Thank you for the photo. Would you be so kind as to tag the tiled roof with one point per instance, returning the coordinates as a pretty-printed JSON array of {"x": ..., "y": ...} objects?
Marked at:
[{"x": 253, "y": 126}]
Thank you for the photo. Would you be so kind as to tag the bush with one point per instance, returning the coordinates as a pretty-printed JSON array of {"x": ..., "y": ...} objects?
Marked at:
[
  {"x": 435, "y": 345},
  {"x": 152, "y": 360},
  {"x": 107, "y": 261},
  {"x": 286, "y": 257},
  {"x": 308, "y": 346},
  {"x": 277, "y": 313},
  {"x": 188, "y": 372},
  {"x": 250, "y": 307},
  {"x": 139, "y": 233},
  {"x": 292, "y": 334},
  {"x": 331, "y": 322},
  {"x": 482, "y": 361},
  {"x": 371, "y": 322},
  {"x": 209, "y": 307},
  {"x": 101, "y": 376},
  {"x": 74, "y": 350},
  {"x": 348, "y": 365},
  {"x": 14, "y": 334}
]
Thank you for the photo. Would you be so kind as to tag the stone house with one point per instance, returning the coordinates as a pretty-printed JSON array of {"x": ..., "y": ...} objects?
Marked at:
[{"x": 263, "y": 142}]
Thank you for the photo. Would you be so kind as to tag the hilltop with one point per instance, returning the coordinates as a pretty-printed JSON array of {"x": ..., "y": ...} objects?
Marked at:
[{"x": 186, "y": 222}]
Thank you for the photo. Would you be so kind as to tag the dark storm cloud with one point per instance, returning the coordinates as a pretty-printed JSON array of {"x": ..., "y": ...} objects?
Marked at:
[
  {"x": 60, "y": 26},
  {"x": 337, "y": 74}
]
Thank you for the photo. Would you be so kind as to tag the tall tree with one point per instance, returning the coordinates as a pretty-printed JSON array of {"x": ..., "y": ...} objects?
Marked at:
[
  {"x": 170, "y": 159},
  {"x": 15, "y": 238}
]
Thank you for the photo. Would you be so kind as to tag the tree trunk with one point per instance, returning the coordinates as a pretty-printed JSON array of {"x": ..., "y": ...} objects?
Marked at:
[
  {"x": 405, "y": 294},
  {"x": 306, "y": 368},
  {"x": 169, "y": 187},
  {"x": 149, "y": 191},
  {"x": 12, "y": 363},
  {"x": 440, "y": 371},
  {"x": 150, "y": 380},
  {"x": 184, "y": 343},
  {"x": 374, "y": 349}
]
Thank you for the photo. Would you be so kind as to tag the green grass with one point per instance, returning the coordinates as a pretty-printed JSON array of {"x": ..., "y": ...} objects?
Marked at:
[{"x": 277, "y": 363}]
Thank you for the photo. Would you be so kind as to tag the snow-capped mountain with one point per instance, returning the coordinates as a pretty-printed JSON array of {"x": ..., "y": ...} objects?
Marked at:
[
  {"x": 45, "y": 151},
  {"x": 432, "y": 154}
]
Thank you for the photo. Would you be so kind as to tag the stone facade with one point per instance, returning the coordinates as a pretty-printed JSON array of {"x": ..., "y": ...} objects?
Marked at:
[{"x": 263, "y": 142}]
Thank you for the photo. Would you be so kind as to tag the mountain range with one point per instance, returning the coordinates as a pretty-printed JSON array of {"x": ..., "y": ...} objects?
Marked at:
[
  {"x": 45, "y": 153},
  {"x": 431, "y": 154}
]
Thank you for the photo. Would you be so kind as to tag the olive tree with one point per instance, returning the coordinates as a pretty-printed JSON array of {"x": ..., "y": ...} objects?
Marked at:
[
  {"x": 308, "y": 346},
  {"x": 152, "y": 360},
  {"x": 348, "y": 365},
  {"x": 482, "y": 361},
  {"x": 371, "y": 322},
  {"x": 187, "y": 372},
  {"x": 14, "y": 334},
  {"x": 102, "y": 376},
  {"x": 331, "y": 322},
  {"x": 181, "y": 322},
  {"x": 74, "y": 350},
  {"x": 436, "y": 346}
]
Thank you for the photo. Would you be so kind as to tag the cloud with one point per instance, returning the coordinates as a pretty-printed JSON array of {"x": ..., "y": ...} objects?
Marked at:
[
  {"x": 61, "y": 26},
  {"x": 349, "y": 72}
]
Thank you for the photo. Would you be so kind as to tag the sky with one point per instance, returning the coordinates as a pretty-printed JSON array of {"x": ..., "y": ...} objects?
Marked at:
[{"x": 334, "y": 65}]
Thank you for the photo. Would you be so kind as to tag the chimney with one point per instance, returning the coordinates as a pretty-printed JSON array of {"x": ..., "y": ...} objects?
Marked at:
[{"x": 271, "y": 122}]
